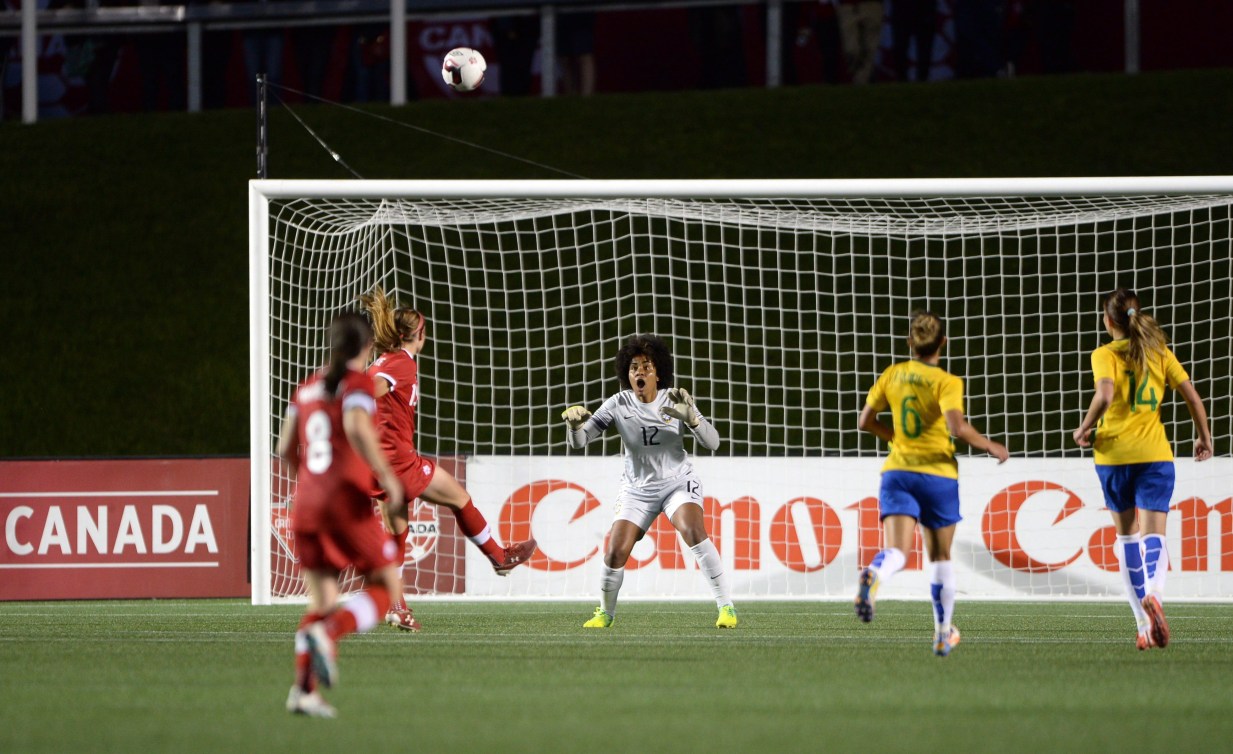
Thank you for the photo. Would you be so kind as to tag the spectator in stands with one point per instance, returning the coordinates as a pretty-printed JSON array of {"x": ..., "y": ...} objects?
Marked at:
[
  {"x": 717, "y": 36},
  {"x": 370, "y": 63},
  {"x": 979, "y": 28},
  {"x": 516, "y": 38},
  {"x": 914, "y": 21},
  {"x": 860, "y": 28},
  {"x": 263, "y": 50},
  {"x": 809, "y": 23},
  {"x": 162, "y": 60},
  {"x": 576, "y": 52},
  {"x": 313, "y": 47}
]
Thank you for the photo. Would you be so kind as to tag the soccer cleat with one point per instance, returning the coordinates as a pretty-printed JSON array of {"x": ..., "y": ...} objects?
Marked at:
[
  {"x": 600, "y": 619},
  {"x": 943, "y": 645},
  {"x": 865, "y": 595},
  {"x": 310, "y": 703},
  {"x": 727, "y": 617},
  {"x": 403, "y": 619},
  {"x": 515, "y": 555},
  {"x": 1143, "y": 641},
  {"x": 1160, "y": 627},
  {"x": 321, "y": 648}
]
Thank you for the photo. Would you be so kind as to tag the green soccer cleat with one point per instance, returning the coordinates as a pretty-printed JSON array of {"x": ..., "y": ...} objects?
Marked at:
[
  {"x": 599, "y": 620},
  {"x": 727, "y": 617}
]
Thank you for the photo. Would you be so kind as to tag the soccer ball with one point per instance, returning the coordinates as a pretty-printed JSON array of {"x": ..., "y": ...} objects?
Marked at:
[{"x": 463, "y": 69}]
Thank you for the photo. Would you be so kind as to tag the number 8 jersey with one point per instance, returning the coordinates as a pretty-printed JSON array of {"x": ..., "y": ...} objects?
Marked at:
[
  {"x": 1131, "y": 430},
  {"x": 330, "y": 471},
  {"x": 918, "y": 396}
]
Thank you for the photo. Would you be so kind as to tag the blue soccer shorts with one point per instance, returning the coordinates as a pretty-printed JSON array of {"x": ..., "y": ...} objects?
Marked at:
[
  {"x": 930, "y": 499},
  {"x": 1138, "y": 485}
]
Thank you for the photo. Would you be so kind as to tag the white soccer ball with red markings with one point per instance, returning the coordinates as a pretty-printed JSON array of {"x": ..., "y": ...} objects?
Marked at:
[{"x": 463, "y": 69}]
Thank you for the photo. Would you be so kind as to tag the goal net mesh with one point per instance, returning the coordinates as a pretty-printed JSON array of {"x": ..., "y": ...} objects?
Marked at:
[{"x": 780, "y": 314}]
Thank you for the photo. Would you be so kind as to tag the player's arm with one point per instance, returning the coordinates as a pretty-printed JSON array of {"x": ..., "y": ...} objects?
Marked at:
[
  {"x": 1198, "y": 414},
  {"x": 960, "y": 428},
  {"x": 1101, "y": 400},
  {"x": 868, "y": 422},
  {"x": 380, "y": 386},
  {"x": 362, "y": 434},
  {"x": 289, "y": 442},
  {"x": 681, "y": 405}
]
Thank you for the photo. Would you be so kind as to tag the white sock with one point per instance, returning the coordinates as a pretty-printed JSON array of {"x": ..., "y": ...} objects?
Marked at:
[
  {"x": 364, "y": 609},
  {"x": 609, "y": 586},
  {"x": 1129, "y": 548},
  {"x": 1156, "y": 561},
  {"x": 713, "y": 568},
  {"x": 888, "y": 562},
  {"x": 942, "y": 588}
]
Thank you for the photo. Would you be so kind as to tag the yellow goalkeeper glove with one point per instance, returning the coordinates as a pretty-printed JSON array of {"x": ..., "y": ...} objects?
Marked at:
[
  {"x": 681, "y": 406},
  {"x": 576, "y": 416}
]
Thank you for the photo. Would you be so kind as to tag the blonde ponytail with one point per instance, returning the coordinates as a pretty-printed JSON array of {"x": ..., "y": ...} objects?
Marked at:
[{"x": 390, "y": 326}]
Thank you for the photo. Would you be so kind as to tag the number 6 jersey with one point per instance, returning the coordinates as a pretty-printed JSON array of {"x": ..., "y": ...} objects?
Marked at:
[{"x": 918, "y": 396}]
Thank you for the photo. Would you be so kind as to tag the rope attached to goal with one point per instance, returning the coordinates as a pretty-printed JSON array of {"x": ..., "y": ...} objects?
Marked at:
[{"x": 337, "y": 158}]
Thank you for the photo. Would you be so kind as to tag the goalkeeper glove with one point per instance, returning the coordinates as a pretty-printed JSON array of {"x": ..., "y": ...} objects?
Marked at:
[
  {"x": 576, "y": 416},
  {"x": 681, "y": 406}
]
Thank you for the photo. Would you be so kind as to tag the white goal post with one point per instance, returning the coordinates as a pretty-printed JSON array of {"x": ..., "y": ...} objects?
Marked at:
[{"x": 782, "y": 300}]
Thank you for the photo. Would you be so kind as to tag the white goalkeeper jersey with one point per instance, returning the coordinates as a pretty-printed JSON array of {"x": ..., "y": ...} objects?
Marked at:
[{"x": 654, "y": 452}]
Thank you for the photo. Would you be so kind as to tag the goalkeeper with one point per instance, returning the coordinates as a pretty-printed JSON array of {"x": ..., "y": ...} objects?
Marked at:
[{"x": 653, "y": 419}]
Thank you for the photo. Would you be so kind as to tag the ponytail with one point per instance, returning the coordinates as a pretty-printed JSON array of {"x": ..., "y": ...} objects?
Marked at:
[
  {"x": 349, "y": 335},
  {"x": 390, "y": 326},
  {"x": 1144, "y": 333}
]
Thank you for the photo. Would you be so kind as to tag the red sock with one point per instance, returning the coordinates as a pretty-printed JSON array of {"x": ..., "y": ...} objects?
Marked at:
[
  {"x": 474, "y": 525},
  {"x": 303, "y": 661},
  {"x": 401, "y": 541}
]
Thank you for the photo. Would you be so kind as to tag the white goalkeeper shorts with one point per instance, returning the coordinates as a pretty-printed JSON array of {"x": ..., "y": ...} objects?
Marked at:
[{"x": 640, "y": 506}]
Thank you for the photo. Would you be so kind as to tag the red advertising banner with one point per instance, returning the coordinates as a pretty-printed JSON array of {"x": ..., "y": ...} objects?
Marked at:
[{"x": 124, "y": 528}]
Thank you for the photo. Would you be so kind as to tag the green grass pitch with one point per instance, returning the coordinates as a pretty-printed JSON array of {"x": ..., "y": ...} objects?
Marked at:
[{"x": 191, "y": 676}]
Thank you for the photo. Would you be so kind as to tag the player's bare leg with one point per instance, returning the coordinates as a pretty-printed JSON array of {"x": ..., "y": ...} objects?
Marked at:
[
  {"x": 445, "y": 490},
  {"x": 621, "y": 540},
  {"x": 898, "y": 536},
  {"x": 691, "y": 525}
]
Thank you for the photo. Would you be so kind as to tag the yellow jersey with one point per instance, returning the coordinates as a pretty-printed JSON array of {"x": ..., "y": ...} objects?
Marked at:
[
  {"x": 1131, "y": 430},
  {"x": 918, "y": 396}
]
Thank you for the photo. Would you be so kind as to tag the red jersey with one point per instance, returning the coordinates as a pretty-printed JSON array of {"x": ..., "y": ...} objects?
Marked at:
[
  {"x": 396, "y": 409},
  {"x": 330, "y": 471}
]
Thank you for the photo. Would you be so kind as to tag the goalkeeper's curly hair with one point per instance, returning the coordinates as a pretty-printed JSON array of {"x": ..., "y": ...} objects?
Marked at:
[
  {"x": 390, "y": 325},
  {"x": 654, "y": 349}
]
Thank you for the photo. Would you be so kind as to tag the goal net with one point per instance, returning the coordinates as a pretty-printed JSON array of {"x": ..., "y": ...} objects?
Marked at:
[{"x": 782, "y": 301}]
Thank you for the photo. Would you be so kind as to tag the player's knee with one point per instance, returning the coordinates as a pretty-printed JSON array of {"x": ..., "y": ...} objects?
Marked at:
[{"x": 693, "y": 535}]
